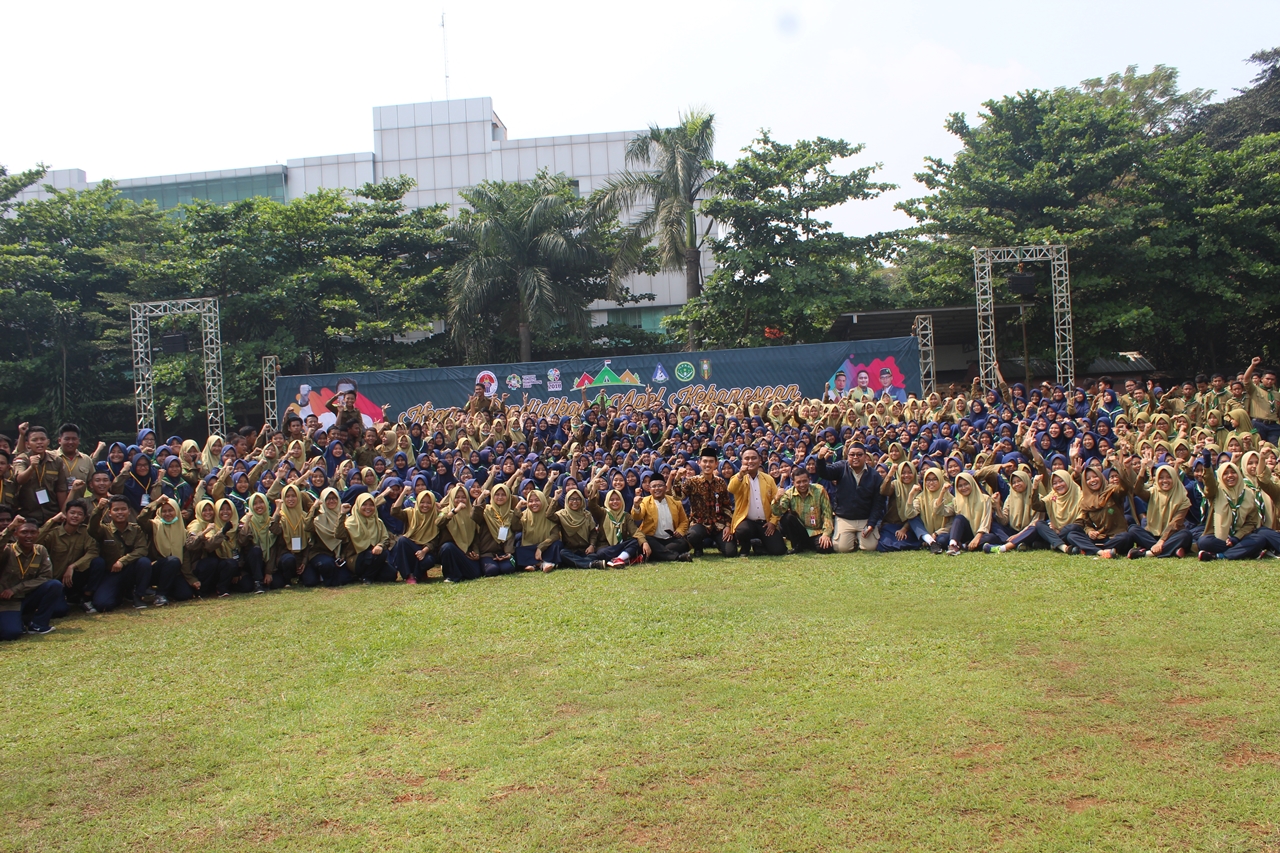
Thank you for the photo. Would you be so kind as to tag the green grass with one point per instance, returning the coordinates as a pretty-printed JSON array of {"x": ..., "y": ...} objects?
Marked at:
[{"x": 1022, "y": 702}]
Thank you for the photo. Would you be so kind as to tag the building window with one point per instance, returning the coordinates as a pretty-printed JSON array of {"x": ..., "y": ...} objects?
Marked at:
[
  {"x": 217, "y": 190},
  {"x": 649, "y": 319}
]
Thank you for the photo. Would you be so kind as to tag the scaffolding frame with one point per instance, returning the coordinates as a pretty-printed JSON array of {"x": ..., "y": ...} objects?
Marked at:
[
  {"x": 141, "y": 314},
  {"x": 923, "y": 331},
  {"x": 270, "y": 371},
  {"x": 1060, "y": 273}
]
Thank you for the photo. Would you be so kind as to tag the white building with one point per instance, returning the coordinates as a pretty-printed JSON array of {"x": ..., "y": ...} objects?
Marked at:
[{"x": 445, "y": 146}]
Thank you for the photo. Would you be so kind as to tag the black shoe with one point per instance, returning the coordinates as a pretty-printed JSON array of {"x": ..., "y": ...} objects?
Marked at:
[
  {"x": 365, "y": 582},
  {"x": 598, "y": 564},
  {"x": 89, "y": 608},
  {"x": 257, "y": 588},
  {"x": 47, "y": 629},
  {"x": 1206, "y": 557},
  {"x": 139, "y": 604},
  {"x": 224, "y": 595},
  {"x": 160, "y": 601},
  {"x": 697, "y": 552},
  {"x": 1136, "y": 553},
  {"x": 1073, "y": 551},
  {"x": 684, "y": 558}
]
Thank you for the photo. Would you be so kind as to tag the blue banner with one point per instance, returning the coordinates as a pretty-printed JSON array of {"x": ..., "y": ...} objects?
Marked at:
[{"x": 861, "y": 369}]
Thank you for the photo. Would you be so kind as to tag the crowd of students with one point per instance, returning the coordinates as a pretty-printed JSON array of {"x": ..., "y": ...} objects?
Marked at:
[{"x": 485, "y": 490}]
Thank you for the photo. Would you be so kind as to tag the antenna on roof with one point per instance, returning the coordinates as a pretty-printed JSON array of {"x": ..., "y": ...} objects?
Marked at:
[{"x": 444, "y": 38}]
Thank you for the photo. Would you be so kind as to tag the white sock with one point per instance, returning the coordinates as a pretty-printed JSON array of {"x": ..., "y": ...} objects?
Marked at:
[
  {"x": 624, "y": 556},
  {"x": 928, "y": 539}
]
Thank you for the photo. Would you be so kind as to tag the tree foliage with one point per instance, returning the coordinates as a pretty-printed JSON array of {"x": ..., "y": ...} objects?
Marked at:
[
  {"x": 782, "y": 274},
  {"x": 1171, "y": 239}
]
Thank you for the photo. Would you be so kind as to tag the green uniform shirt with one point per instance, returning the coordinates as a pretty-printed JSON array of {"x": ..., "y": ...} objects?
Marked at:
[{"x": 813, "y": 509}]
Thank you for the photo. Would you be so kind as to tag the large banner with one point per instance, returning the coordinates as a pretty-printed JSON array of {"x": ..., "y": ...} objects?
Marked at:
[{"x": 861, "y": 369}]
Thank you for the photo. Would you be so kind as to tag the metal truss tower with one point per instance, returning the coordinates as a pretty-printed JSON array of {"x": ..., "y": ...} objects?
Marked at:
[
  {"x": 270, "y": 370},
  {"x": 141, "y": 314},
  {"x": 924, "y": 338},
  {"x": 1063, "y": 339}
]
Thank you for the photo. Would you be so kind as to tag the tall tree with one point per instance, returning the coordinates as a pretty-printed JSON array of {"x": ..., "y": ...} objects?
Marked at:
[
  {"x": 670, "y": 167},
  {"x": 782, "y": 273},
  {"x": 67, "y": 263},
  {"x": 1250, "y": 112},
  {"x": 533, "y": 257},
  {"x": 1168, "y": 240}
]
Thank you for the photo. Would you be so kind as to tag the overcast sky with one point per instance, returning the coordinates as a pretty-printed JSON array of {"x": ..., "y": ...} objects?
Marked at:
[{"x": 136, "y": 89}]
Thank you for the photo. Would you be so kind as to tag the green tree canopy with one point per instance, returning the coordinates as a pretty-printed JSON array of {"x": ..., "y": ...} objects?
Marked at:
[
  {"x": 534, "y": 257},
  {"x": 782, "y": 273}
]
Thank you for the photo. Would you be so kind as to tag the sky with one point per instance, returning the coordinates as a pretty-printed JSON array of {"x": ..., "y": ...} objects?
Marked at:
[{"x": 134, "y": 89}]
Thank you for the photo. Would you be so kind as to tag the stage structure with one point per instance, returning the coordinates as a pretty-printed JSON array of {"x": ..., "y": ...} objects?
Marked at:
[
  {"x": 923, "y": 330},
  {"x": 1063, "y": 340},
  {"x": 270, "y": 371},
  {"x": 141, "y": 314}
]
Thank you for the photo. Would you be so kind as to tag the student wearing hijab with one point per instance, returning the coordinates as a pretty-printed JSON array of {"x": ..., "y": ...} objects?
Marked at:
[
  {"x": 167, "y": 555},
  {"x": 324, "y": 522},
  {"x": 416, "y": 550},
  {"x": 577, "y": 531},
  {"x": 1100, "y": 529},
  {"x": 210, "y": 546},
  {"x": 1018, "y": 513},
  {"x": 369, "y": 542},
  {"x": 258, "y": 548},
  {"x": 291, "y": 526},
  {"x": 1234, "y": 514},
  {"x": 935, "y": 507},
  {"x": 902, "y": 529},
  {"x": 497, "y": 524},
  {"x": 539, "y": 545},
  {"x": 459, "y": 559},
  {"x": 1163, "y": 533},
  {"x": 974, "y": 525}
]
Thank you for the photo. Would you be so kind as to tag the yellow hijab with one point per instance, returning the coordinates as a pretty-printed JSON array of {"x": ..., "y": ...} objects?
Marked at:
[{"x": 365, "y": 531}]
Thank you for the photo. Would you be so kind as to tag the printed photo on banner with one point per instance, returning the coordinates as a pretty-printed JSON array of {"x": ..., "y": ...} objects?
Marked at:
[{"x": 862, "y": 381}]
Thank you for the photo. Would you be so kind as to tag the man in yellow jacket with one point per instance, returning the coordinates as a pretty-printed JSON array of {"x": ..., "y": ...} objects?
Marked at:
[
  {"x": 664, "y": 524},
  {"x": 753, "y": 521}
]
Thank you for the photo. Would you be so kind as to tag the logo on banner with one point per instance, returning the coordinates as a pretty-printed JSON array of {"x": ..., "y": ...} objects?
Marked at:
[
  {"x": 685, "y": 371},
  {"x": 528, "y": 380},
  {"x": 553, "y": 379},
  {"x": 513, "y": 381},
  {"x": 489, "y": 381},
  {"x": 706, "y": 368},
  {"x": 659, "y": 374}
]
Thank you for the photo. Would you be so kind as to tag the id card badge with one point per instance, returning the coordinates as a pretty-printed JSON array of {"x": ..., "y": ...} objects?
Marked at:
[
  {"x": 813, "y": 521},
  {"x": 502, "y": 534},
  {"x": 295, "y": 544},
  {"x": 146, "y": 499},
  {"x": 42, "y": 497}
]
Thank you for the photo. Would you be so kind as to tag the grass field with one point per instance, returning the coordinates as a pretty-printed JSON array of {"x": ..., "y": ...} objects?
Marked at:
[{"x": 1021, "y": 702}]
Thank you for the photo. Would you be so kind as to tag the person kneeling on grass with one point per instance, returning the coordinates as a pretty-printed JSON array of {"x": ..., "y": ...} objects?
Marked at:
[
  {"x": 28, "y": 591},
  {"x": 122, "y": 545},
  {"x": 804, "y": 515},
  {"x": 75, "y": 556},
  {"x": 753, "y": 522}
]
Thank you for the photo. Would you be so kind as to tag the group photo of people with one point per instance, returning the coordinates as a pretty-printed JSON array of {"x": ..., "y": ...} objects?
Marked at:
[{"x": 1108, "y": 470}]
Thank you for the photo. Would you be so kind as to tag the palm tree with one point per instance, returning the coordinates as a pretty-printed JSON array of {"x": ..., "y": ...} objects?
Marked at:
[
  {"x": 674, "y": 165},
  {"x": 531, "y": 256}
]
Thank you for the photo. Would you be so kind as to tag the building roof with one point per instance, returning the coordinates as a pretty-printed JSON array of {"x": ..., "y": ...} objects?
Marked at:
[{"x": 955, "y": 325}]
